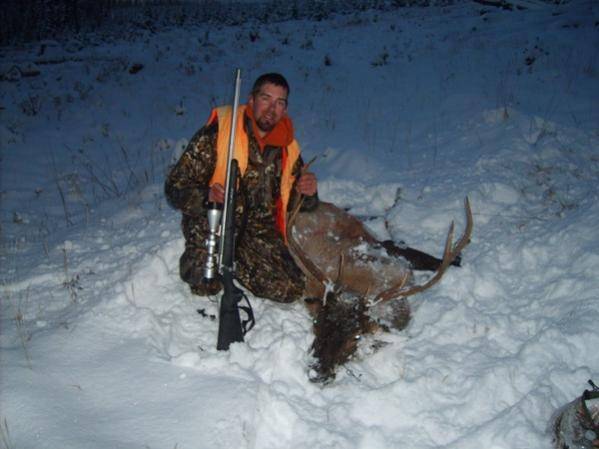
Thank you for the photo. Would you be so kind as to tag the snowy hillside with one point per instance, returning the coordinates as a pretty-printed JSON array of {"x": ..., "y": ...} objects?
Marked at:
[{"x": 409, "y": 111}]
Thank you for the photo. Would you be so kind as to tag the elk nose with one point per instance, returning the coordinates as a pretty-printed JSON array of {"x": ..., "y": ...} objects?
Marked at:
[{"x": 320, "y": 378}]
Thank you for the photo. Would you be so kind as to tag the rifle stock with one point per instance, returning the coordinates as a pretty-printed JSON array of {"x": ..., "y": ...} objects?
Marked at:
[{"x": 229, "y": 321}]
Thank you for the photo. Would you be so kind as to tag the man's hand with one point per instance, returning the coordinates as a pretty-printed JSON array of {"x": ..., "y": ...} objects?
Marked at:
[
  {"x": 216, "y": 194},
  {"x": 307, "y": 184}
]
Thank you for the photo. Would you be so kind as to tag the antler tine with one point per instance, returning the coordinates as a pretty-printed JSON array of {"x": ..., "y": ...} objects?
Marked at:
[
  {"x": 310, "y": 162},
  {"x": 294, "y": 210},
  {"x": 297, "y": 250},
  {"x": 449, "y": 256},
  {"x": 339, "y": 273},
  {"x": 390, "y": 293}
]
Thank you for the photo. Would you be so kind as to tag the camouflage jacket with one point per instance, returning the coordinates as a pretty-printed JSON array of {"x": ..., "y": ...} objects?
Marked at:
[{"x": 187, "y": 186}]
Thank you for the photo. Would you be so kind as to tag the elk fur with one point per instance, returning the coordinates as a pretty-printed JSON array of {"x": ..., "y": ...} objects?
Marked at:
[{"x": 356, "y": 283}]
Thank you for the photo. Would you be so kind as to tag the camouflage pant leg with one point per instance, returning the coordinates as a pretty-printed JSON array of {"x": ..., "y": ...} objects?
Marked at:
[
  {"x": 193, "y": 260},
  {"x": 266, "y": 268},
  {"x": 191, "y": 269},
  {"x": 263, "y": 266}
]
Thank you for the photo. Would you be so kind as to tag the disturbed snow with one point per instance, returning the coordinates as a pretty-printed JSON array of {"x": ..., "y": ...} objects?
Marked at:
[{"x": 102, "y": 345}]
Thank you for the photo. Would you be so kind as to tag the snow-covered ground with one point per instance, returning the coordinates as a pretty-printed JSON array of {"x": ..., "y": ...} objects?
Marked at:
[{"x": 409, "y": 112}]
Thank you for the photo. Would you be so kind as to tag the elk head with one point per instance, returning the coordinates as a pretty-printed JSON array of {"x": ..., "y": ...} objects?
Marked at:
[{"x": 355, "y": 286}]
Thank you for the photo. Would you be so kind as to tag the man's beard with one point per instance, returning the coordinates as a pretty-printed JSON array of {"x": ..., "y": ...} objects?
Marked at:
[{"x": 265, "y": 124}]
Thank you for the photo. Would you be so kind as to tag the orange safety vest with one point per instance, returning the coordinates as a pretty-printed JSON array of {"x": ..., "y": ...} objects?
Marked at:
[{"x": 241, "y": 153}]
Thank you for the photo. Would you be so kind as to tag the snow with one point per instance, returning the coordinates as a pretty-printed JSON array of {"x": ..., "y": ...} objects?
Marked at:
[{"x": 101, "y": 342}]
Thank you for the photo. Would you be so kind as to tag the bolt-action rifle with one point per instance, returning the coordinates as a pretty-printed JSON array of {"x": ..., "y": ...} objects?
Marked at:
[{"x": 221, "y": 222}]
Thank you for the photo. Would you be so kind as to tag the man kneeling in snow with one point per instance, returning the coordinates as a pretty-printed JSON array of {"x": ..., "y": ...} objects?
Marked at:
[{"x": 271, "y": 180}]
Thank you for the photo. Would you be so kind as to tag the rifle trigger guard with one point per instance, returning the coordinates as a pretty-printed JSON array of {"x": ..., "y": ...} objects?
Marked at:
[{"x": 248, "y": 324}]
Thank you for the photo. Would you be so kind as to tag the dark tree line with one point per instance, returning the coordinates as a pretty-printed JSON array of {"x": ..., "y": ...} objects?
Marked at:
[{"x": 34, "y": 20}]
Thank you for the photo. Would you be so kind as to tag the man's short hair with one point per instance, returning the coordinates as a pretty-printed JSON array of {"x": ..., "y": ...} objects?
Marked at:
[{"x": 270, "y": 78}]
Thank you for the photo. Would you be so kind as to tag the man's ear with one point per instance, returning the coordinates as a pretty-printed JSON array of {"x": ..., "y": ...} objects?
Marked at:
[{"x": 251, "y": 101}]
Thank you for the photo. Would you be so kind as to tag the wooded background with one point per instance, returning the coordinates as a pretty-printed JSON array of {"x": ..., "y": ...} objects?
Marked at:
[{"x": 34, "y": 20}]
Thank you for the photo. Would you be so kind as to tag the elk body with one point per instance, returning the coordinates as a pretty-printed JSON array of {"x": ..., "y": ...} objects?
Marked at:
[{"x": 356, "y": 283}]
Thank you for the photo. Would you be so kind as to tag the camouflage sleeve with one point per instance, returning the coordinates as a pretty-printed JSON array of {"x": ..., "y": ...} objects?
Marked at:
[
  {"x": 310, "y": 202},
  {"x": 186, "y": 186}
]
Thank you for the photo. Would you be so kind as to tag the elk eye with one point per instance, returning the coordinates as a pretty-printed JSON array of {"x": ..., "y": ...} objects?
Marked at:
[
  {"x": 357, "y": 337},
  {"x": 314, "y": 321}
]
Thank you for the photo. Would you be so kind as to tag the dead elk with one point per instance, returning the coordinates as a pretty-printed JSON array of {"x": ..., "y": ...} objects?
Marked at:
[{"x": 358, "y": 283}]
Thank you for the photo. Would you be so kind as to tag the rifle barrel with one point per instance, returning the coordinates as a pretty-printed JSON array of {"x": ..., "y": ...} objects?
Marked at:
[{"x": 230, "y": 157}]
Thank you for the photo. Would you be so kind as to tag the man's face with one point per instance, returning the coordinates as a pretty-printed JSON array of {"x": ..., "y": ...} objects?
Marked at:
[{"x": 269, "y": 106}]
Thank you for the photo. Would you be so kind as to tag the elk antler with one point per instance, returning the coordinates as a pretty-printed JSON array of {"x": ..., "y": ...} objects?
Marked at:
[
  {"x": 449, "y": 255},
  {"x": 305, "y": 261},
  {"x": 295, "y": 206},
  {"x": 301, "y": 255},
  {"x": 308, "y": 264}
]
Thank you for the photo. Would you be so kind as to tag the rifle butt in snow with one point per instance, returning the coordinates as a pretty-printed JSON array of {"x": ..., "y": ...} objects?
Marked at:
[{"x": 230, "y": 329}]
